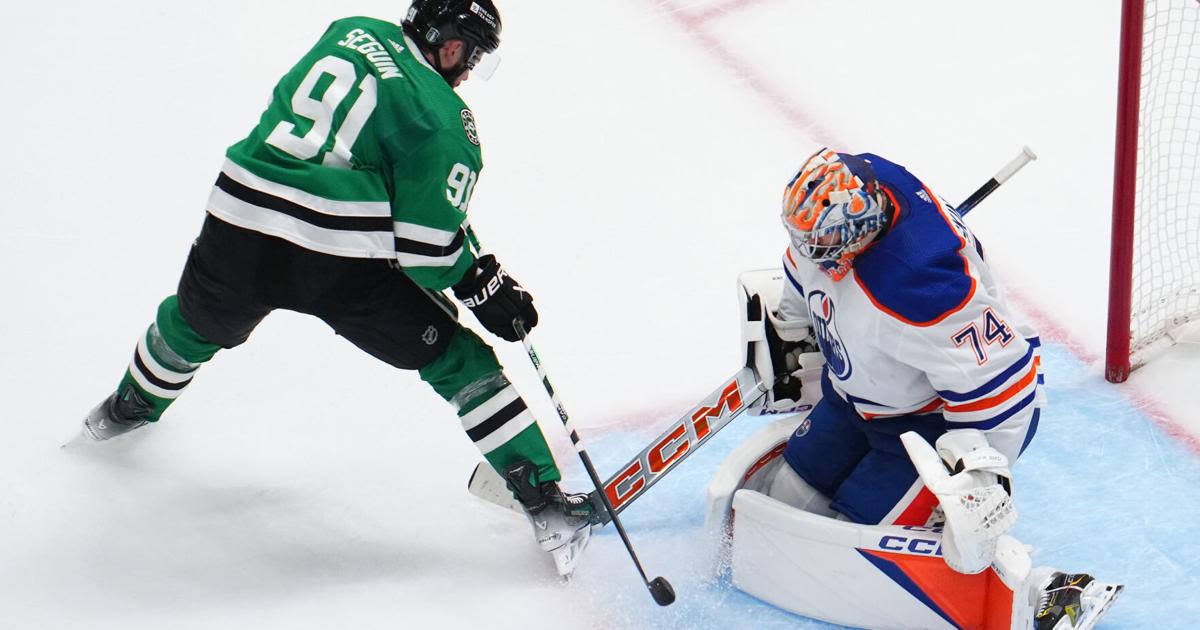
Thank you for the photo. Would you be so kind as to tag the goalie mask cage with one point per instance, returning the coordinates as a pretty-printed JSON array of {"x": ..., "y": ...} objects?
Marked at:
[{"x": 1154, "y": 282}]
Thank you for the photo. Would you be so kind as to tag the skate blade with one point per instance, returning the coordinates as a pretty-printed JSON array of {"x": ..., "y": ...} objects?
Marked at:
[
  {"x": 487, "y": 484},
  {"x": 566, "y": 557},
  {"x": 81, "y": 439},
  {"x": 1100, "y": 608}
]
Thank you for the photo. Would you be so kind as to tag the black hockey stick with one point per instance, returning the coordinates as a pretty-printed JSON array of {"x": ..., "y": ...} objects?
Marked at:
[
  {"x": 660, "y": 589},
  {"x": 1027, "y": 155}
]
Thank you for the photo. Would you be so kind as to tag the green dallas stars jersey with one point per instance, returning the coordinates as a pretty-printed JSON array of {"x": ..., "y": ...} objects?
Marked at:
[{"x": 364, "y": 152}]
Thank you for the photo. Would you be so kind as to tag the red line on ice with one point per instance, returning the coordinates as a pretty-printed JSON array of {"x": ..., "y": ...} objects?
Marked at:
[
  {"x": 694, "y": 24},
  {"x": 1051, "y": 330},
  {"x": 719, "y": 9}
]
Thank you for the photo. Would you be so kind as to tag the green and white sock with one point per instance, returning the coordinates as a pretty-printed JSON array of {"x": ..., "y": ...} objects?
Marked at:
[
  {"x": 492, "y": 413},
  {"x": 157, "y": 370}
]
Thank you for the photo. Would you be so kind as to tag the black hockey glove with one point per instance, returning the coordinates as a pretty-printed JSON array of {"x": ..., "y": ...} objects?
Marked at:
[
  {"x": 785, "y": 393},
  {"x": 496, "y": 298}
]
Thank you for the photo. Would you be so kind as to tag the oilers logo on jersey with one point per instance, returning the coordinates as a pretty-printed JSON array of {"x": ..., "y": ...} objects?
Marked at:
[{"x": 828, "y": 338}]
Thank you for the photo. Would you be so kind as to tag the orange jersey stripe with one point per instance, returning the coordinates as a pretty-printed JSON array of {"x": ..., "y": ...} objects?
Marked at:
[
  {"x": 1002, "y": 397},
  {"x": 788, "y": 252},
  {"x": 931, "y": 407}
]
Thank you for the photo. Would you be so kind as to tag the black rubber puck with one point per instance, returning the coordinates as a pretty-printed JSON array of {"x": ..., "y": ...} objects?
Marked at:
[{"x": 662, "y": 592}]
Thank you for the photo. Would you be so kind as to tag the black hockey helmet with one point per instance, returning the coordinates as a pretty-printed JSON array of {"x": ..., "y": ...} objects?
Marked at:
[{"x": 432, "y": 23}]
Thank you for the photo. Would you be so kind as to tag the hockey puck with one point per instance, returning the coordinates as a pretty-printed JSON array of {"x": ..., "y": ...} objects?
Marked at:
[{"x": 661, "y": 591}]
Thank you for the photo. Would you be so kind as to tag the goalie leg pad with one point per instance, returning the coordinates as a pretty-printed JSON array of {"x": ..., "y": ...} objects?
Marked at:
[
  {"x": 861, "y": 576},
  {"x": 826, "y": 568},
  {"x": 786, "y": 486}
]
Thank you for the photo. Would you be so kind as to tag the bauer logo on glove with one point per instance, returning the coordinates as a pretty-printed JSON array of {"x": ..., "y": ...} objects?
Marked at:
[
  {"x": 496, "y": 299},
  {"x": 493, "y": 285}
]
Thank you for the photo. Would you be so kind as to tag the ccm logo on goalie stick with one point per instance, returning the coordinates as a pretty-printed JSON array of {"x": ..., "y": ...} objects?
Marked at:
[{"x": 660, "y": 457}]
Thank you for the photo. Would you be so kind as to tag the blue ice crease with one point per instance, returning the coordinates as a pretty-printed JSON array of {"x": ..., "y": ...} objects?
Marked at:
[{"x": 1100, "y": 490}]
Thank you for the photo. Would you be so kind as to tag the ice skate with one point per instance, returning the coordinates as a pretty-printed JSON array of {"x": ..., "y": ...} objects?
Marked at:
[
  {"x": 562, "y": 522},
  {"x": 115, "y": 415},
  {"x": 1070, "y": 601}
]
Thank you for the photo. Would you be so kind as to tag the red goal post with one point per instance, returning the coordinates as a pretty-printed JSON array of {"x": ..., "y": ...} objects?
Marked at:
[{"x": 1154, "y": 281}]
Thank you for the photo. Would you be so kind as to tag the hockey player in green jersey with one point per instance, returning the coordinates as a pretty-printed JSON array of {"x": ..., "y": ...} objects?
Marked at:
[{"x": 348, "y": 202}]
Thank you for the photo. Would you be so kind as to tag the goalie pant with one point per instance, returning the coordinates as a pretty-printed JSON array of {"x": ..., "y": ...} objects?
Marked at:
[
  {"x": 234, "y": 277},
  {"x": 916, "y": 337}
]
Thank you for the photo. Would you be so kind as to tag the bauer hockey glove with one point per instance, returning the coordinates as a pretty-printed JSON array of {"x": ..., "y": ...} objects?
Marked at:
[{"x": 496, "y": 299}]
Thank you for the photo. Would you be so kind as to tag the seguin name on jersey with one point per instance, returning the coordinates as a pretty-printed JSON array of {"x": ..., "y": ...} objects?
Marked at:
[{"x": 373, "y": 51}]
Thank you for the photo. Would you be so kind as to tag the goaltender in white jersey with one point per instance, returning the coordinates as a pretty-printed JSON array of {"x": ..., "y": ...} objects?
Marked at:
[{"x": 896, "y": 487}]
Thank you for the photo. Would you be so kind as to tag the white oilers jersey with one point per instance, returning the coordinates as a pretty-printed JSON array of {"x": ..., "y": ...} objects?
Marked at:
[{"x": 919, "y": 325}]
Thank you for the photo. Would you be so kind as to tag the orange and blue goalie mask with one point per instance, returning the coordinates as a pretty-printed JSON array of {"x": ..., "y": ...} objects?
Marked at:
[{"x": 833, "y": 209}]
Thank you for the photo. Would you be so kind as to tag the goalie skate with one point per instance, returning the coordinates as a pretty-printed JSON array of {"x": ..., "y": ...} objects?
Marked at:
[{"x": 1065, "y": 601}]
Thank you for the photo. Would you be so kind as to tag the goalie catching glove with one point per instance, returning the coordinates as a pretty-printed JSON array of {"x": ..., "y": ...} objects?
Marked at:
[
  {"x": 973, "y": 486},
  {"x": 496, "y": 299}
]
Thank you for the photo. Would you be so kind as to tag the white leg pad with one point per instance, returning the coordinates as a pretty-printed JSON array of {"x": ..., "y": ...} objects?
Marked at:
[
  {"x": 1012, "y": 563},
  {"x": 862, "y": 576},
  {"x": 787, "y": 486},
  {"x": 811, "y": 565}
]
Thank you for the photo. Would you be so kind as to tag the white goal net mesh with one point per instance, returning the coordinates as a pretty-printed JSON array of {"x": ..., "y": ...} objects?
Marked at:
[{"x": 1166, "y": 261}]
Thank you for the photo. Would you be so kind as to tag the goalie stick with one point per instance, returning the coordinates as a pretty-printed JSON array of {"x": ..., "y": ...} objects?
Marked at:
[
  {"x": 683, "y": 437},
  {"x": 1027, "y": 155}
]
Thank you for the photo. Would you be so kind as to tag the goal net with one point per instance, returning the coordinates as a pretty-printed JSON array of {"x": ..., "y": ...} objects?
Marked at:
[{"x": 1154, "y": 293}]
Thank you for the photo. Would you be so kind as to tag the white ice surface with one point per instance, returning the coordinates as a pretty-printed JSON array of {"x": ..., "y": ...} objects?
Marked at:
[{"x": 634, "y": 161}]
